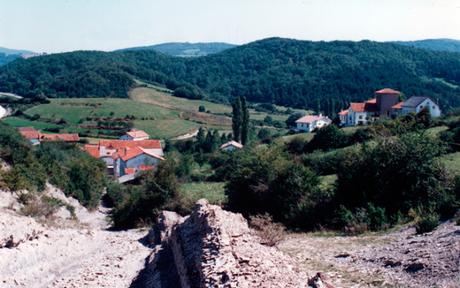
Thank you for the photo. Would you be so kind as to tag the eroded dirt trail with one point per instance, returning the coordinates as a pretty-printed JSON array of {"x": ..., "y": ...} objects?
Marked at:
[{"x": 79, "y": 255}]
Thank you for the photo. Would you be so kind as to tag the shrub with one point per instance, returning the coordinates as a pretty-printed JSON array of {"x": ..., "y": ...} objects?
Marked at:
[
  {"x": 327, "y": 138},
  {"x": 269, "y": 232},
  {"x": 427, "y": 222}
]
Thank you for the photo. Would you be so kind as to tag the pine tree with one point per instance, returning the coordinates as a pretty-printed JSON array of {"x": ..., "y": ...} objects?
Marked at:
[
  {"x": 200, "y": 138},
  {"x": 245, "y": 121},
  {"x": 237, "y": 119}
]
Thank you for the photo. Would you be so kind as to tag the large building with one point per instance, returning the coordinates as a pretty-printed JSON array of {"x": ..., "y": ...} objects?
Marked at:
[
  {"x": 386, "y": 104},
  {"x": 127, "y": 157}
]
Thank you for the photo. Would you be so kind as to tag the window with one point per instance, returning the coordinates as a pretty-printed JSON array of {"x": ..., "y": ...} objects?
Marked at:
[{"x": 360, "y": 116}]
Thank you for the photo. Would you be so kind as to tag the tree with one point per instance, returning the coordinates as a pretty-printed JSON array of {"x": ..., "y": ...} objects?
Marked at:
[
  {"x": 201, "y": 108},
  {"x": 237, "y": 119},
  {"x": 290, "y": 121},
  {"x": 245, "y": 121},
  {"x": 200, "y": 138}
]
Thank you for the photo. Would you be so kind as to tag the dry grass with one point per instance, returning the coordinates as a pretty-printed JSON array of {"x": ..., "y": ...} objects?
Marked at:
[{"x": 269, "y": 232}]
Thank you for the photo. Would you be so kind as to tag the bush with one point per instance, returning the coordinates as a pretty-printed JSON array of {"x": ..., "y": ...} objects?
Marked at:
[
  {"x": 327, "y": 138},
  {"x": 427, "y": 222},
  {"x": 269, "y": 232}
]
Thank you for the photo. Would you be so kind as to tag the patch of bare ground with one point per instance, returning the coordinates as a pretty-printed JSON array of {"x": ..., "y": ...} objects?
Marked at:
[
  {"x": 66, "y": 252},
  {"x": 395, "y": 259}
]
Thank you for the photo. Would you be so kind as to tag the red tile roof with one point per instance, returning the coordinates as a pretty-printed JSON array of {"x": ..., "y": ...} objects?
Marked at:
[
  {"x": 308, "y": 119},
  {"x": 92, "y": 150},
  {"x": 146, "y": 167},
  {"x": 137, "y": 133},
  {"x": 343, "y": 112},
  {"x": 130, "y": 170},
  {"x": 117, "y": 144},
  {"x": 387, "y": 91},
  {"x": 398, "y": 106},
  {"x": 372, "y": 101},
  {"x": 67, "y": 137},
  {"x": 357, "y": 107},
  {"x": 29, "y": 133}
]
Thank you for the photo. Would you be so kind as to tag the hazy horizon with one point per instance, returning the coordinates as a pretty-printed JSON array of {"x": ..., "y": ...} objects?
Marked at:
[{"x": 63, "y": 25}]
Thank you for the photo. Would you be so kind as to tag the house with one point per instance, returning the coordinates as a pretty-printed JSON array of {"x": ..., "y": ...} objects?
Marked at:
[
  {"x": 127, "y": 157},
  {"x": 385, "y": 104},
  {"x": 135, "y": 135},
  {"x": 309, "y": 123},
  {"x": 230, "y": 146},
  {"x": 35, "y": 137},
  {"x": 415, "y": 104},
  {"x": 66, "y": 137}
]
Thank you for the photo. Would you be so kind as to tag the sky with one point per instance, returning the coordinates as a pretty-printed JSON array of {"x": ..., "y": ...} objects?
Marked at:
[{"x": 67, "y": 25}]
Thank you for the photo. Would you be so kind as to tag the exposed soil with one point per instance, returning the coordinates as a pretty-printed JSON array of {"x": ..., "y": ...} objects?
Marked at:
[{"x": 396, "y": 259}]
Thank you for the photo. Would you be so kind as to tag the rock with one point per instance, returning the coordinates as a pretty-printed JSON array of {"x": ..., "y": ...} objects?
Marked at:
[
  {"x": 15, "y": 229},
  {"x": 391, "y": 263},
  {"x": 215, "y": 248},
  {"x": 318, "y": 281}
]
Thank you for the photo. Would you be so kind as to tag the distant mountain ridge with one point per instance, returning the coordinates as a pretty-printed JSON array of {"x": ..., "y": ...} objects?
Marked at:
[
  {"x": 8, "y": 55},
  {"x": 185, "y": 49},
  {"x": 442, "y": 44}
]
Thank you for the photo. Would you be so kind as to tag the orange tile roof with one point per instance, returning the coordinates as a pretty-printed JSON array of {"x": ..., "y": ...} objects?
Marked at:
[
  {"x": 118, "y": 144},
  {"x": 398, "y": 105},
  {"x": 130, "y": 170},
  {"x": 343, "y": 112},
  {"x": 92, "y": 150},
  {"x": 67, "y": 137},
  {"x": 137, "y": 133},
  {"x": 30, "y": 134},
  {"x": 308, "y": 119},
  {"x": 372, "y": 101},
  {"x": 357, "y": 107},
  {"x": 387, "y": 91}
]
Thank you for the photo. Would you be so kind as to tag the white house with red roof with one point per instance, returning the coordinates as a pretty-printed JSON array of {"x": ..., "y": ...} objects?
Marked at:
[
  {"x": 386, "y": 104},
  {"x": 309, "y": 123},
  {"x": 135, "y": 135},
  {"x": 231, "y": 145},
  {"x": 127, "y": 157}
]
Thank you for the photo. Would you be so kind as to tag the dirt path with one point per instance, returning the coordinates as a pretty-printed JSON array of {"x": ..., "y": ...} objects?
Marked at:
[{"x": 83, "y": 255}]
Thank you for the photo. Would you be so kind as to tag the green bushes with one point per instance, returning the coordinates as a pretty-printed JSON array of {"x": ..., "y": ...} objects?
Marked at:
[{"x": 427, "y": 222}]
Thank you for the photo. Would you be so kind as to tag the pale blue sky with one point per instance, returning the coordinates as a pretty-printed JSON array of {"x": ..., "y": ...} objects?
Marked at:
[{"x": 65, "y": 25}]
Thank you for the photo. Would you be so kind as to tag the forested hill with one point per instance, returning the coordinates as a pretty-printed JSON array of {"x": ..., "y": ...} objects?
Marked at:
[
  {"x": 449, "y": 45},
  {"x": 324, "y": 75},
  {"x": 185, "y": 49}
]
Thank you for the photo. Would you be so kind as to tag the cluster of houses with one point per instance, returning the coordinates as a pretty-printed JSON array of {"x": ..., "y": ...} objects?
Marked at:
[
  {"x": 385, "y": 104},
  {"x": 35, "y": 136}
]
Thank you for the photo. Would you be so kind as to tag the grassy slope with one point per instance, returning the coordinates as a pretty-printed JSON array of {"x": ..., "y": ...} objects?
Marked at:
[{"x": 212, "y": 191}]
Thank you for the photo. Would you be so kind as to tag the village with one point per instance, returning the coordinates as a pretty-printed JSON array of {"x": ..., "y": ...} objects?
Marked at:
[{"x": 134, "y": 152}]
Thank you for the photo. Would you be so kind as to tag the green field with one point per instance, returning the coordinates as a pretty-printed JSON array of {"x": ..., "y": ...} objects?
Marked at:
[
  {"x": 452, "y": 162},
  {"x": 212, "y": 191},
  {"x": 150, "y": 108}
]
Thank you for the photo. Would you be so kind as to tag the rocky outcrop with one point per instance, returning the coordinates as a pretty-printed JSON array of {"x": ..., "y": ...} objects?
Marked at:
[
  {"x": 215, "y": 248},
  {"x": 15, "y": 229}
]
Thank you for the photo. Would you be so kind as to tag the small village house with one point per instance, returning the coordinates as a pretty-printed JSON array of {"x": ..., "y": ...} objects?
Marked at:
[
  {"x": 415, "y": 104},
  {"x": 127, "y": 157},
  {"x": 231, "y": 146},
  {"x": 135, "y": 135},
  {"x": 309, "y": 123},
  {"x": 35, "y": 137}
]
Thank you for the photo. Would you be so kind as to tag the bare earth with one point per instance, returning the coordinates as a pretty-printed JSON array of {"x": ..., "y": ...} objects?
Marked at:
[
  {"x": 69, "y": 253},
  {"x": 397, "y": 259}
]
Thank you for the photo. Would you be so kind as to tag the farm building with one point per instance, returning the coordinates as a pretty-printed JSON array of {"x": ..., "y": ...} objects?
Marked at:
[
  {"x": 309, "y": 123},
  {"x": 127, "y": 157},
  {"x": 385, "y": 104},
  {"x": 35, "y": 137},
  {"x": 135, "y": 135},
  {"x": 230, "y": 146}
]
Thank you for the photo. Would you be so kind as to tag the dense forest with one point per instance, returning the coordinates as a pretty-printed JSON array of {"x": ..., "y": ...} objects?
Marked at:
[
  {"x": 449, "y": 45},
  {"x": 185, "y": 49},
  {"x": 324, "y": 76}
]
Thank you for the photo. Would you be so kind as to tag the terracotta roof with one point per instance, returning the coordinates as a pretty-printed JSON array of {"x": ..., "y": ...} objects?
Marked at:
[
  {"x": 308, "y": 119},
  {"x": 130, "y": 170},
  {"x": 372, "y": 101},
  {"x": 129, "y": 153},
  {"x": 357, "y": 107},
  {"x": 232, "y": 143},
  {"x": 398, "y": 106},
  {"x": 92, "y": 150},
  {"x": 387, "y": 91},
  {"x": 67, "y": 137},
  {"x": 343, "y": 112},
  {"x": 30, "y": 134},
  {"x": 137, "y": 133},
  {"x": 117, "y": 144}
]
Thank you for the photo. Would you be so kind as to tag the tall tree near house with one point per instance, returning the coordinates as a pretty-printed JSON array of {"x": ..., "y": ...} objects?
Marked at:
[
  {"x": 245, "y": 121},
  {"x": 237, "y": 119}
]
